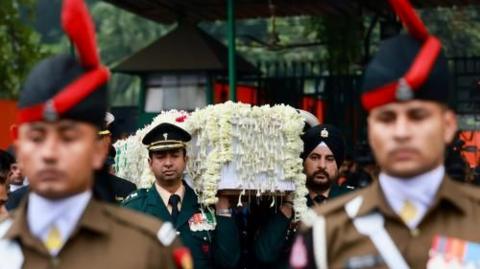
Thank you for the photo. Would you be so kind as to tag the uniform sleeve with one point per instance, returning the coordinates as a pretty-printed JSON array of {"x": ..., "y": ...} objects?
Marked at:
[
  {"x": 271, "y": 238},
  {"x": 226, "y": 245}
]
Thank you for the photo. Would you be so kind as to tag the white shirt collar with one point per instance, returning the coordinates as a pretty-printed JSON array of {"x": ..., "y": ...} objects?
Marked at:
[
  {"x": 65, "y": 213},
  {"x": 420, "y": 190}
]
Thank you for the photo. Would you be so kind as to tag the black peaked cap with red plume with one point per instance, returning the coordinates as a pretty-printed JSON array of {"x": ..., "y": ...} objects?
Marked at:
[
  {"x": 63, "y": 87},
  {"x": 408, "y": 66}
]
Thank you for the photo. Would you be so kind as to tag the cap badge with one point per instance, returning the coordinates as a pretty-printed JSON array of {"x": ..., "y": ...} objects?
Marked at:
[
  {"x": 165, "y": 135},
  {"x": 49, "y": 112},
  {"x": 324, "y": 133},
  {"x": 404, "y": 91}
]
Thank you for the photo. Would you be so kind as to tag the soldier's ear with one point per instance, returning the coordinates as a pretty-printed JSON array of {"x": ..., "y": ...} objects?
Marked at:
[
  {"x": 100, "y": 153},
  {"x": 450, "y": 125}
]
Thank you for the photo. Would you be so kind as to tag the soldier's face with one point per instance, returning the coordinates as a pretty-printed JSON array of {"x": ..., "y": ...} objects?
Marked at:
[
  {"x": 168, "y": 166},
  {"x": 320, "y": 168},
  {"x": 409, "y": 138},
  {"x": 15, "y": 176},
  {"x": 59, "y": 158}
]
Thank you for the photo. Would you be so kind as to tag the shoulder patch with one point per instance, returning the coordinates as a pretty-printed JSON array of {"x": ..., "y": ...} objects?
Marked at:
[{"x": 166, "y": 234}]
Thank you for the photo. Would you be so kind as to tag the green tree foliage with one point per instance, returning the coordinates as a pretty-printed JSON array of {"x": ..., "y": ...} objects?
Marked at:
[
  {"x": 119, "y": 35},
  {"x": 457, "y": 27},
  {"x": 20, "y": 48}
]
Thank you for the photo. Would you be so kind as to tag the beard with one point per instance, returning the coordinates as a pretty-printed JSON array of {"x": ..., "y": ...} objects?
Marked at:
[{"x": 319, "y": 184}]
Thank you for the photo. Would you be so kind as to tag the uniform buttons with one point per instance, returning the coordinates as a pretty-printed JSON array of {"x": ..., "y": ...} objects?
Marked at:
[
  {"x": 178, "y": 233},
  {"x": 415, "y": 232},
  {"x": 205, "y": 238}
]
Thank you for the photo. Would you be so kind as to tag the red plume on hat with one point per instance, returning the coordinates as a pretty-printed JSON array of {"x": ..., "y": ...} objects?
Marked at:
[
  {"x": 421, "y": 67},
  {"x": 78, "y": 25}
]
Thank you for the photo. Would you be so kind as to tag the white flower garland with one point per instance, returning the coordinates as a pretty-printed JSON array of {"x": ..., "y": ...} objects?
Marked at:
[
  {"x": 264, "y": 142},
  {"x": 261, "y": 142}
]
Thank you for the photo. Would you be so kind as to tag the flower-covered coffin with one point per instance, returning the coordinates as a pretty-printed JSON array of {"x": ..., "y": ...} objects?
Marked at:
[{"x": 233, "y": 147}]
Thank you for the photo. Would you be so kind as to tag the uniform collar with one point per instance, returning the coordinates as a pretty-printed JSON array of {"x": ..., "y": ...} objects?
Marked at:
[
  {"x": 165, "y": 195},
  {"x": 94, "y": 219},
  {"x": 65, "y": 213},
  {"x": 448, "y": 192},
  {"x": 420, "y": 189}
]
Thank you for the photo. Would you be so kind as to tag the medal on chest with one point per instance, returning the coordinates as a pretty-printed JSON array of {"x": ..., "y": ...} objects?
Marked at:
[
  {"x": 450, "y": 252},
  {"x": 202, "y": 221}
]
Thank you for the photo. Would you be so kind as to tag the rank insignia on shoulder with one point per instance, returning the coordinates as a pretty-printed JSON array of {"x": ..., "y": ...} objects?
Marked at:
[
  {"x": 166, "y": 234},
  {"x": 202, "y": 221},
  {"x": 133, "y": 195},
  {"x": 451, "y": 252}
]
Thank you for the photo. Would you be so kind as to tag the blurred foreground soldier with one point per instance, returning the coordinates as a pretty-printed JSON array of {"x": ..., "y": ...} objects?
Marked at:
[
  {"x": 211, "y": 237},
  {"x": 106, "y": 187},
  {"x": 414, "y": 212},
  {"x": 61, "y": 107},
  {"x": 323, "y": 154}
]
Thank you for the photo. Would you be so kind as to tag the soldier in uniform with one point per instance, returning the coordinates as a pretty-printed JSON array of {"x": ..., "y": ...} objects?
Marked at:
[
  {"x": 111, "y": 186},
  {"x": 106, "y": 187},
  {"x": 323, "y": 154},
  {"x": 211, "y": 237},
  {"x": 60, "y": 224},
  {"x": 405, "y": 219}
]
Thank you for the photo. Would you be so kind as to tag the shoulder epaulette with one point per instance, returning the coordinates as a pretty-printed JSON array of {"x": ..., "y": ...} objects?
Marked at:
[
  {"x": 138, "y": 194},
  {"x": 161, "y": 231}
]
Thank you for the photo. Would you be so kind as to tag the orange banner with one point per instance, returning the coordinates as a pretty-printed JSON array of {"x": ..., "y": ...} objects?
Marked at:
[
  {"x": 471, "y": 149},
  {"x": 8, "y": 112}
]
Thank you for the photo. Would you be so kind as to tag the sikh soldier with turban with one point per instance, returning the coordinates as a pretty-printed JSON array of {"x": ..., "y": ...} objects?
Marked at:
[{"x": 323, "y": 154}]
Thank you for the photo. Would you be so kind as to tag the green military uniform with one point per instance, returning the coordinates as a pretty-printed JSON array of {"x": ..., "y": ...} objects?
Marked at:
[
  {"x": 209, "y": 249},
  {"x": 273, "y": 243},
  {"x": 106, "y": 237},
  {"x": 275, "y": 237}
]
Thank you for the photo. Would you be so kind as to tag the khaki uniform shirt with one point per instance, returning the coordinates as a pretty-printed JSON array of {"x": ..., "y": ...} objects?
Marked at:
[
  {"x": 106, "y": 237},
  {"x": 455, "y": 212}
]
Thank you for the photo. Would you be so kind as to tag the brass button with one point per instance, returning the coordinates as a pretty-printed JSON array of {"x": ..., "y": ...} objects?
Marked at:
[
  {"x": 177, "y": 232},
  {"x": 415, "y": 232}
]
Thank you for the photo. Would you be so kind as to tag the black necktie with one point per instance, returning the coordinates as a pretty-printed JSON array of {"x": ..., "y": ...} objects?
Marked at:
[
  {"x": 173, "y": 201},
  {"x": 319, "y": 199}
]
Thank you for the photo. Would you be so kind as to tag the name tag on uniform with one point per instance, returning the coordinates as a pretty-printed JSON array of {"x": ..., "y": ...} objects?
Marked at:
[
  {"x": 202, "y": 221},
  {"x": 450, "y": 252}
]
